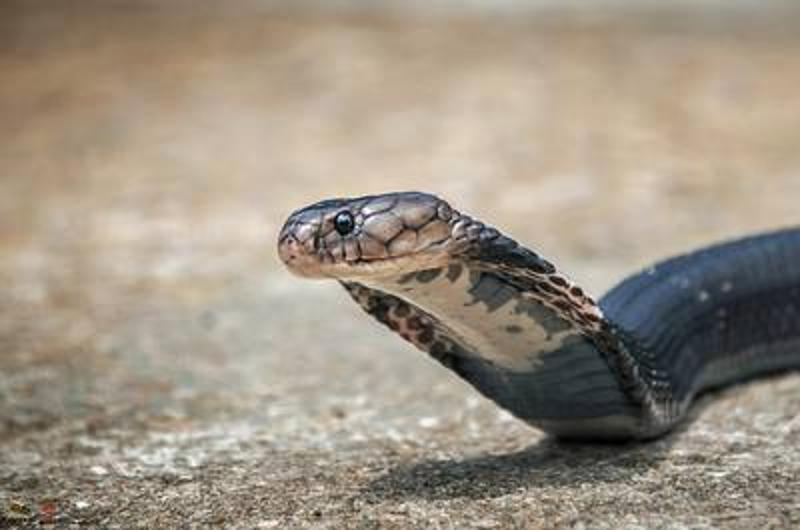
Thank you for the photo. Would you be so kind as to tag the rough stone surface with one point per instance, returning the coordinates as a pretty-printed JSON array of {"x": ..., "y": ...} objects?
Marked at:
[{"x": 159, "y": 369}]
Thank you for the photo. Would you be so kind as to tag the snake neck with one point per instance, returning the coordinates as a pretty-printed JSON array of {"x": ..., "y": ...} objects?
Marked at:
[
  {"x": 534, "y": 342},
  {"x": 497, "y": 320}
]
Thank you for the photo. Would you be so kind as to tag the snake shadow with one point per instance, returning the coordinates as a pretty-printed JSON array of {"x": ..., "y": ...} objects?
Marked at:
[{"x": 548, "y": 463}]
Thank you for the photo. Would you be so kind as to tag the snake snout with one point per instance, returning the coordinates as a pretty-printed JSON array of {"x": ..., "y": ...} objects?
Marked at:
[
  {"x": 293, "y": 251},
  {"x": 289, "y": 248}
]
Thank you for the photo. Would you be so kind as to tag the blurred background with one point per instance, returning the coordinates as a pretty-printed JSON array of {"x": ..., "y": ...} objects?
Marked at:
[{"x": 157, "y": 365}]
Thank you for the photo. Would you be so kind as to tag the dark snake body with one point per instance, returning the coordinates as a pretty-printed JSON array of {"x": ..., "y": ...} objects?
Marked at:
[{"x": 509, "y": 323}]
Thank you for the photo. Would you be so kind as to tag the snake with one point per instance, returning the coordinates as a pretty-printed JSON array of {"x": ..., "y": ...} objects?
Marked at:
[{"x": 503, "y": 318}]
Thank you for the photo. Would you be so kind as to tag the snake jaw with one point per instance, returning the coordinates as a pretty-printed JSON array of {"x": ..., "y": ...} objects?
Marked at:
[{"x": 335, "y": 265}]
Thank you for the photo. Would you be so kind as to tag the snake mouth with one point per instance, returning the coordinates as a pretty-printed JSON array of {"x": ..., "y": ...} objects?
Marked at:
[{"x": 321, "y": 266}]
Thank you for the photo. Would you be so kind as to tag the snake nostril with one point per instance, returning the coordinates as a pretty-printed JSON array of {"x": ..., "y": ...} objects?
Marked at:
[{"x": 288, "y": 249}]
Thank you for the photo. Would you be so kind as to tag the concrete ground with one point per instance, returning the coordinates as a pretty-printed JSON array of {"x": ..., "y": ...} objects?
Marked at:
[{"x": 159, "y": 369}]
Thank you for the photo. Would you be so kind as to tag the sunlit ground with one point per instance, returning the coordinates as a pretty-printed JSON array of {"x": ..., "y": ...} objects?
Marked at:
[{"x": 157, "y": 366}]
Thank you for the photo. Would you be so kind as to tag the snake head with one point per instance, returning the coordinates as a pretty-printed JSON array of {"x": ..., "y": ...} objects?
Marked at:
[{"x": 371, "y": 236}]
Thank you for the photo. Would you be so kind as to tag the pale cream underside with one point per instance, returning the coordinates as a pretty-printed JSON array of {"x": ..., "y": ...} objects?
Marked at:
[{"x": 482, "y": 332}]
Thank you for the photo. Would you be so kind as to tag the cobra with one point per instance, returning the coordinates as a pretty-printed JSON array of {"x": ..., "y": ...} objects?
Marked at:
[{"x": 524, "y": 335}]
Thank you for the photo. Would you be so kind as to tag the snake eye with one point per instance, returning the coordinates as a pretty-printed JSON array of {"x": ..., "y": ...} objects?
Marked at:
[{"x": 344, "y": 223}]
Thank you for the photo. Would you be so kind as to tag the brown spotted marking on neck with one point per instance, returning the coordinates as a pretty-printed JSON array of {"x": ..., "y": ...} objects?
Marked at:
[
  {"x": 505, "y": 320},
  {"x": 408, "y": 321}
]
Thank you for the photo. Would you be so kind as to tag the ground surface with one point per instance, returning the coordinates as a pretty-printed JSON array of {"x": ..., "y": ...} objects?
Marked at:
[{"x": 158, "y": 367}]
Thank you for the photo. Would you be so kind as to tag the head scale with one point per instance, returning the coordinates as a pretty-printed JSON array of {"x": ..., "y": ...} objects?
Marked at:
[{"x": 381, "y": 235}]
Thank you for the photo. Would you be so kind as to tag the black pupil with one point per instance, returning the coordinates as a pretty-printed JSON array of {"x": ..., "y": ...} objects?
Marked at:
[{"x": 344, "y": 223}]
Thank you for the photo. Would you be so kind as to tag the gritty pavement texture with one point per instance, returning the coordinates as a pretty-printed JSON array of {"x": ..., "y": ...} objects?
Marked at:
[{"x": 159, "y": 369}]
